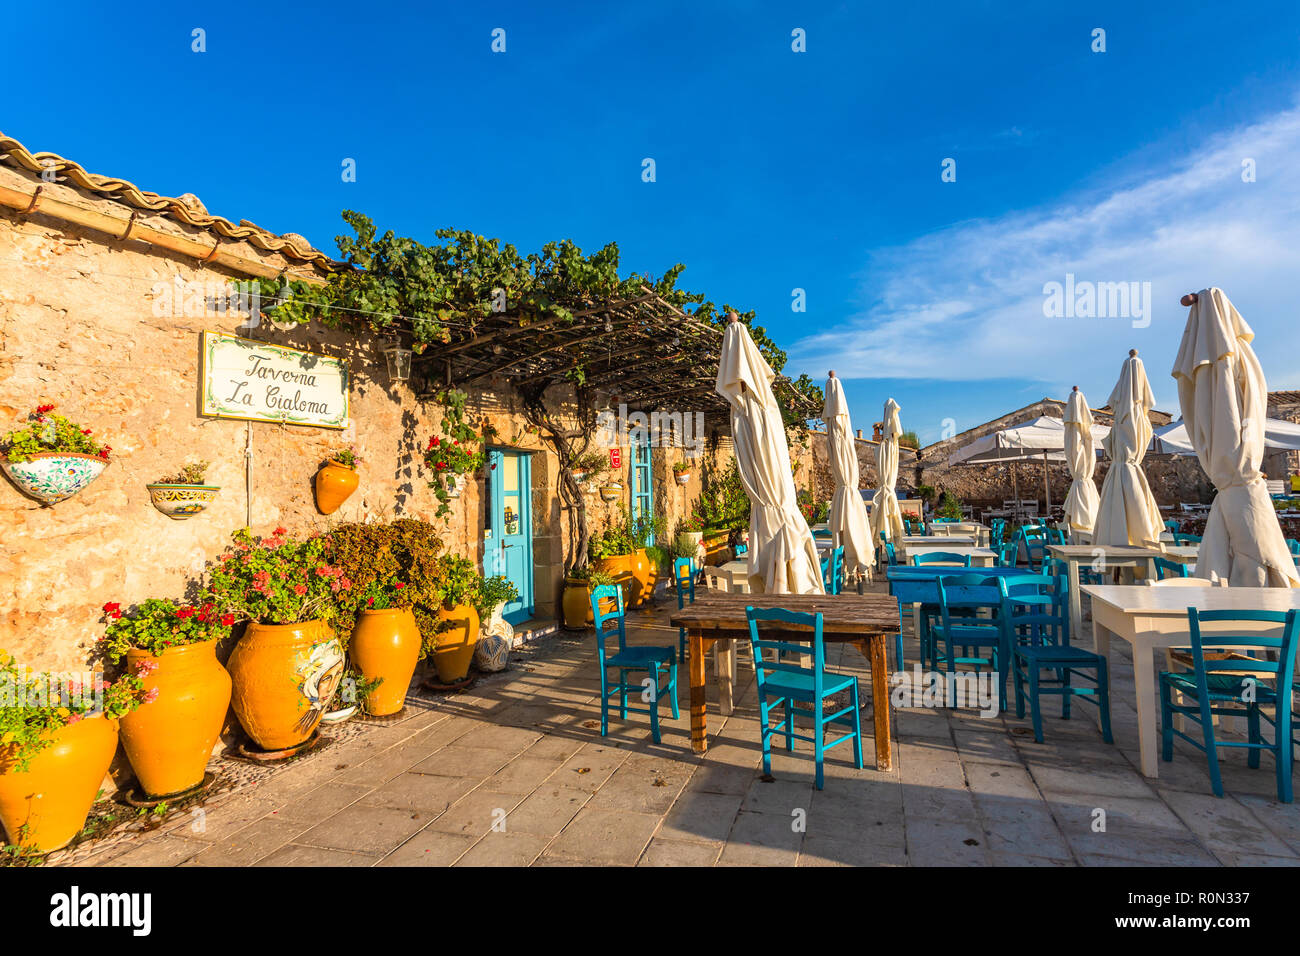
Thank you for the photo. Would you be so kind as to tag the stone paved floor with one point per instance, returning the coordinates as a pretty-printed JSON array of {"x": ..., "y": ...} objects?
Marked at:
[{"x": 515, "y": 772}]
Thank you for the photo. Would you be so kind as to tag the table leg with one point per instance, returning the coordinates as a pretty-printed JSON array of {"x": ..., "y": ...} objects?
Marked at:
[
  {"x": 1144, "y": 676},
  {"x": 1076, "y": 600},
  {"x": 873, "y": 649},
  {"x": 726, "y": 675},
  {"x": 698, "y": 742}
]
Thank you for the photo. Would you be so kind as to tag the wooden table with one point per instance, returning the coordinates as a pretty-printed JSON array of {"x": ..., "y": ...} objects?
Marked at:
[
  {"x": 865, "y": 620},
  {"x": 1182, "y": 553},
  {"x": 1107, "y": 557},
  {"x": 1150, "y": 618}
]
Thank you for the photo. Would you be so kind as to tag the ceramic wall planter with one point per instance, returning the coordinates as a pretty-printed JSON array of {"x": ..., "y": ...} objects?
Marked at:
[
  {"x": 683, "y": 477},
  {"x": 335, "y": 483},
  {"x": 170, "y": 741},
  {"x": 52, "y": 797},
  {"x": 611, "y": 491},
  {"x": 51, "y": 477},
  {"x": 182, "y": 501},
  {"x": 454, "y": 646},
  {"x": 386, "y": 643},
  {"x": 284, "y": 676},
  {"x": 454, "y": 484}
]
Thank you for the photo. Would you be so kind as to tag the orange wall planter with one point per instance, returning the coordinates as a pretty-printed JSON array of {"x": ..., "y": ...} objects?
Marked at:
[
  {"x": 53, "y": 796},
  {"x": 335, "y": 483},
  {"x": 170, "y": 741},
  {"x": 386, "y": 643},
  {"x": 284, "y": 675},
  {"x": 455, "y": 646}
]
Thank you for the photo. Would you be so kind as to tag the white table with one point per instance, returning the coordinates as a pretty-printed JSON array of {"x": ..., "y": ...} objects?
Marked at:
[
  {"x": 1104, "y": 557},
  {"x": 1150, "y": 618},
  {"x": 952, "y": 542},
  {"x": 1182, "y": 553},
  {"x": 974, "y": 528},
  {"x": 737, "y": 573}
]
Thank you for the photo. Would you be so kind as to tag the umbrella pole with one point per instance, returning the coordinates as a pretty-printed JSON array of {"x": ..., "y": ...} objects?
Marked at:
[
  {"x": 1015, "y": 492},
  {"x": 1047, "y": 485}
]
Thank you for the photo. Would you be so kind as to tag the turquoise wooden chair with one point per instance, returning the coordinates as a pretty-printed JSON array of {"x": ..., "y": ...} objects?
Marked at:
[
  {"x": 1293, "y": 545},
  {"x": 741, "y": 549},
  {"x": 891, "y": 556},
  {"x": 1034, "y": 538},
  {"x": 684, "y": 578},
  {"x": 629, "y": 658},
  {"x": 1181, "y": 539},
  {"x": 970, "y": 638},
  {"x": 782, "y": 683},
  {"x": 997, "y": 530},
  {"x": 1170, "y": 569},
  {"x": 941, "y": 557},
  {"x": 1007, "y": 552},
  {"x": 1172, "y": 526},
  {"x": 1036, "y": 616},
  {"x": 1218, "y": 685},
  {"x": 833, "y": 571}
]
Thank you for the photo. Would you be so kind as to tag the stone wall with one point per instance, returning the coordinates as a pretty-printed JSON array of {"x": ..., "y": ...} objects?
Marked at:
[{"x": 78, "y": 329}]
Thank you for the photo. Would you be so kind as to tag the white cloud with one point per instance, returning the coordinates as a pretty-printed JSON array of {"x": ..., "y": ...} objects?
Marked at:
[{"x": 965, "y": 304}]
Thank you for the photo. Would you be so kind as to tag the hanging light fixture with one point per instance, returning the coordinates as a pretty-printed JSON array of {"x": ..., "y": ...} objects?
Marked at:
[
  {"x": 280, "y": 302},
  {"x": 399, "y": 362}
]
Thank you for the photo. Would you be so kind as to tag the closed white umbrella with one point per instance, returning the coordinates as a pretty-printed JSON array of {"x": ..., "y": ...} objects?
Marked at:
[
  {"x": 886, "y": 516},
  {"x": 1081, "y": 457},
  {"x": 1128, "y": 513},
  {"x": 849, "y": 526},
  {"x": 782, "y": 556},
  {"x": 1224, "y": 400}
]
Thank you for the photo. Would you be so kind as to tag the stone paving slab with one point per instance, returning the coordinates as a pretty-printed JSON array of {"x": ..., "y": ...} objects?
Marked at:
[{"x": 514, "y": 772}]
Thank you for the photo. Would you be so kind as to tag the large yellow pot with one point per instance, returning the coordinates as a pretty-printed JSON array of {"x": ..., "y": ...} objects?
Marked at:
[
  {"x": 284, "y": 676},
  {"x": 335, "y": 483},
  {"x": 170, "y": 741},
  {"x": 620, "y": 566},
  {"x": 386, "y": 644},
  {"x": 52, "y": 797},
  {"x": 455, "y": 645},
  {"x": 577, "y": 605}
]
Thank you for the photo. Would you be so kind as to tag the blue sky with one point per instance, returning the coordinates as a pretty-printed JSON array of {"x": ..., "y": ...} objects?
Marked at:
[{"x": 776, "y": 170}]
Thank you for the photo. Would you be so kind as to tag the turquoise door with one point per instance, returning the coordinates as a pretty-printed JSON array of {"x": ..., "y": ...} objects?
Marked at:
[
  {"x": 643, "y": 500},
  {"x": 508, "y": 537}
]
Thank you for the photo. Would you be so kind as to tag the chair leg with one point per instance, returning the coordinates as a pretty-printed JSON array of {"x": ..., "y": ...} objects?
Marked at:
[
  {"x": 765, "y": 735},
  {"x": 1066, "y": 695},
  {"x": 604, "y": 702},
  {"x": 1103, "y": 700},
  {"x": 1283, "y": 753},
  {"x": 622, "y": 694},
  {"x": 857, "y": 728},
  {"x": 1166, "y": 723},
  {"x": 1252, "y": 730},
  {"x": 819, "y": 740},
  {"x": 1035, "y": 708},
  {"x": 789, "y": 725},
  {"x": 672, "y": 688},
  {"x": 1211, "y": 749},
  {"x": 654, "y": 705},
  {"x": 1020, "y": 689}
]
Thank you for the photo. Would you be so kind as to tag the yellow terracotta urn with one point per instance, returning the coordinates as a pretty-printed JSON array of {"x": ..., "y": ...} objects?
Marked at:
[
  {"x": 284, "y": 675},
  {"x": 169, "y": 741},
  {"x": 386, "y": 644},
  {"x": 335, "y": 483},
  {"x": 43, "y": 807},
  {"x": 454, "y": 644}
]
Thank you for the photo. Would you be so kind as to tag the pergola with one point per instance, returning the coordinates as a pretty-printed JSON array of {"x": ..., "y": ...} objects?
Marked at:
[{"x": 645, "y": 351}]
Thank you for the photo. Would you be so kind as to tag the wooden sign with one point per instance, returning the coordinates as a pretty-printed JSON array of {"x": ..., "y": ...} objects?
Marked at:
[
  {"x": 616, "y": 458},
  {"x": 260, "y": 382}
]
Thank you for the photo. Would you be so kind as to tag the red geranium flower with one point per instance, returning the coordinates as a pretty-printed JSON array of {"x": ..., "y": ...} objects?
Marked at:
[
  {"x": 184, "y": 612},
  {"x": 228, "y": 619},
  {"x": 42, "y": 409},
  {"x": 113, "y": 609}
]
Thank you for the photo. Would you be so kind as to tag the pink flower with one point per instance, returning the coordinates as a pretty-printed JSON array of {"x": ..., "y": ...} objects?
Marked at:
[
  {"x": 300, "y": 589},
  {"x": 150, "y": 697},
  {"x": 145, "y": 667},
  {"x": 73, "y": 719}
]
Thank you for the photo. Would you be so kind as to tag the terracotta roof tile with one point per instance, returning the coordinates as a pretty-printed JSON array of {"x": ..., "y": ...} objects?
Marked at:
[{"x": 187, "y": 208}]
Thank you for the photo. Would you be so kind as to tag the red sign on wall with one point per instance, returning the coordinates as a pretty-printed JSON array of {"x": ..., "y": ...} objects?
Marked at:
[{"x": 616, "y": 458}]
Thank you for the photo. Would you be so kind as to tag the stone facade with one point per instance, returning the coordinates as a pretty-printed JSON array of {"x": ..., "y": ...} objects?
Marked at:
[{"x": 79, "y": 329}]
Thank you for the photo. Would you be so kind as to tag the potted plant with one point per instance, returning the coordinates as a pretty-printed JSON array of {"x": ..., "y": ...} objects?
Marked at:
[
  {"x": 52, "y": 458},
  {"x": 643, "y": 531},
  {"x": 688, "y": 538},
  {"x": 59, "y": 737},
  {"x": 336, "y": 480},
  {"x": 458, "y": 616},
  {"x": 611, "y": 490},
  {"x": 172, "y": 649},
  {"x": 289, "y": 662},
  {"x": 385, "y": 645},
  {"x": 578, "y": 585},
  {"x": 682, "y": 471},
  {"x": 494, "y": 643},
  {"x": 457, "y": 452},
  {"x": 183, "y": 495},
  {"x": 588, "y": 466}
]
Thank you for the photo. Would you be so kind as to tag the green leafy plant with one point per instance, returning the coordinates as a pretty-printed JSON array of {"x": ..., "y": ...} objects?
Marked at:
[
  {"x": 191, "y": 474},
  {"x": 382, "y": 554},
  {"x": 814, "y": 512},
  {"x": 493, "y": 592},
  {"x": 50, "y": 434},
  {"x": 383, "y": 596},
  {"x": 683, "y": 467},
  {"x": 276, "y": 579},
  {"x": 591, "y": 576},
  {"x": 909, "y": 439},
  {"x": 461, "y": 583},
  {"x": 33, "y": 706},
  {"x": 346, "y": 457},
  {"x": 690, "y": 524},
  {"x": 155, "y": 625},
  {"x": 592, "y": 465},
  {"x": 948, "y": 507},
  {"x": 723, "y": 502},
  {"x": 458, "y": 451}
]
